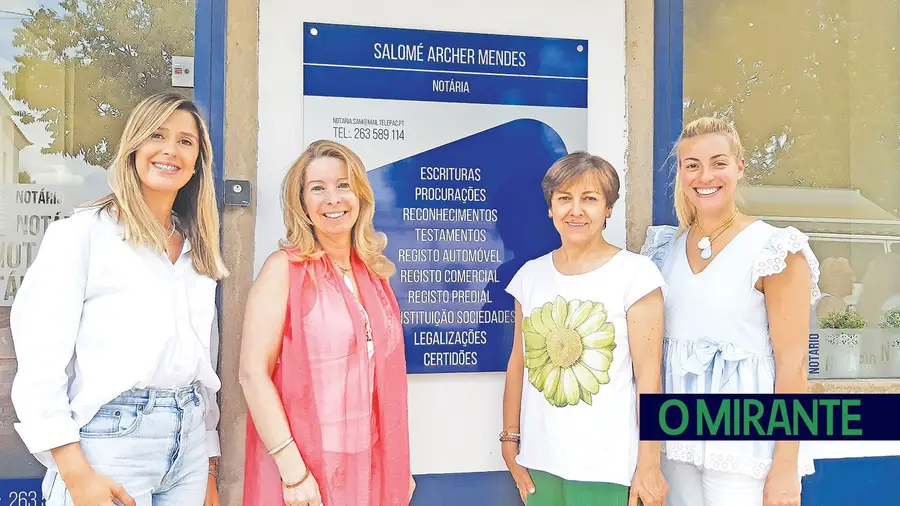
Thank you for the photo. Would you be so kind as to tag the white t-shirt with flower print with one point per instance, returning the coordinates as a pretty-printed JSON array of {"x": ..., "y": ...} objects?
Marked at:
[{"x": 579, "y": 415}]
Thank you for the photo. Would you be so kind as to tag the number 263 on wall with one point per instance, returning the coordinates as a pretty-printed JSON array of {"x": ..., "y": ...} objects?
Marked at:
[{"x": 25, "y": 498}]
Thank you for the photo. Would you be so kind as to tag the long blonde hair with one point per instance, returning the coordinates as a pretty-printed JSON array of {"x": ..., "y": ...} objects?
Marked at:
[
  {"x": 301, "y": 238},
  {"x": 684, "y": 210},
  {"x": 195, "y": 204}
]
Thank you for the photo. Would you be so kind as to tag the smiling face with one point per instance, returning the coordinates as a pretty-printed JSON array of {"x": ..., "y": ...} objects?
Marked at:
[
  {"x": 166, "y": 161},
  {"x": 709, "y": 173},
  {"x": 329, "y": 199},
  {"x": 579, "y": 209}
]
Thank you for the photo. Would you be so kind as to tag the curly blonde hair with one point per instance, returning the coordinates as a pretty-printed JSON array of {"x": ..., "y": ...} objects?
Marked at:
[{"x": 301, "y": 241}]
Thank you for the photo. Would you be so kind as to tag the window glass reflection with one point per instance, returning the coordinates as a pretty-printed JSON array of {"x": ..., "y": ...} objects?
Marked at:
[
  {"x": 70, "y": 71},
  {"x": 812, "y": 88}
]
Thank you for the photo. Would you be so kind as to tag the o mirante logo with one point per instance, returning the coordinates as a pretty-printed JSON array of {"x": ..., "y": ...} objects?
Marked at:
[{"x": 867, "y": 417}]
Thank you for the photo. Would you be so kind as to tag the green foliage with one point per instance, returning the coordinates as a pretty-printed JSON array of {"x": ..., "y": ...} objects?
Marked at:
[
  {"x": 83, "y": 69},
  {"x": 25, "y": 178},
  {"x": 890, "y": 319},
  {"x": 842, "y": 319}
]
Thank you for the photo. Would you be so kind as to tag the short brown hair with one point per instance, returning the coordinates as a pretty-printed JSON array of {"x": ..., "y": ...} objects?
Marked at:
[{"x": 576, "y": 165}]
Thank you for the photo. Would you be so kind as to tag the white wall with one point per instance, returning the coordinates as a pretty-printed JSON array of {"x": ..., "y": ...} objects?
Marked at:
[{"x": 454, "y": 418}]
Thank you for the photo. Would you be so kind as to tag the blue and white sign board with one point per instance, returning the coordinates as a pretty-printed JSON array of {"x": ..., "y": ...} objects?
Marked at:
[{"x": 457, "y": 131}]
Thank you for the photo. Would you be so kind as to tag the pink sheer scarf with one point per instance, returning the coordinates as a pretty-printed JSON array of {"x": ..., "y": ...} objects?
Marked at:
[{"x": 352, "y": 434}]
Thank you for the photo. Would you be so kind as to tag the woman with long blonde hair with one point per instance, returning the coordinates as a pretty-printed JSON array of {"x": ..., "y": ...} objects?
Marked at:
[
  {"x": 124, "y": 290},
  {"x": 323, "y": 366},
  {"x": 737, "y": 321}
]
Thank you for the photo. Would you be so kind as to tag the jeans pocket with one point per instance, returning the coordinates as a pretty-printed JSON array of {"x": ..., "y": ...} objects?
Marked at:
[{"x": 112, "y": 421}]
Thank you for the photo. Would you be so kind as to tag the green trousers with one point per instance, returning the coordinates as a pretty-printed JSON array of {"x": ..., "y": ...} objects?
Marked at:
[{"x": 551, "y": 490}]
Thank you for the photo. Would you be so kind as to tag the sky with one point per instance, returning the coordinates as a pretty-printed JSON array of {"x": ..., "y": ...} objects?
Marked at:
[
  {"x": 8, "y": 21},
  {"x": 46, "y": 169}
]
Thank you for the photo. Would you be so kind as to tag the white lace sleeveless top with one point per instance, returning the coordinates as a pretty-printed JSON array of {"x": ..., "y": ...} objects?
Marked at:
[{"x": 717, "y": 331}]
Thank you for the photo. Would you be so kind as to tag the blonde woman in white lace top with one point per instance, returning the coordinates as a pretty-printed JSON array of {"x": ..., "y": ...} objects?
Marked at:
[{"x": 736, "y": 321}]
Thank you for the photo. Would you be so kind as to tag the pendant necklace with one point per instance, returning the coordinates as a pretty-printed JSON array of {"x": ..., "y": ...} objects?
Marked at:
[
  {"x": 705, "y": 242},
  {"x": 349, "y": 282},
  {"x": 172, "y": 228}
]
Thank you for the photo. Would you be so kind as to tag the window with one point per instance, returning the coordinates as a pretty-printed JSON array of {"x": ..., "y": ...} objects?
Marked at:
[{"x": 813, "y": 89}]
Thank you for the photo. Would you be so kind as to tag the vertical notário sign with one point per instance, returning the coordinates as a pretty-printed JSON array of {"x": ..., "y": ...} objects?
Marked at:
[{"x": 456, "y": 131}]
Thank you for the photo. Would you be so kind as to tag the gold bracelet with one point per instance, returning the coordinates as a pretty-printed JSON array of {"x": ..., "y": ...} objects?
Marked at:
[
  {"x": 282, "y": 446},
  {"x": 294, "y": 485}
]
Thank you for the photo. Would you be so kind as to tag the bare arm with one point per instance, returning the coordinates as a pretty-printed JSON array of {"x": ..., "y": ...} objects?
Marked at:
[
  {"x": 788, "y": 305},
  {"x": 264, "y": 320},
  {"x": 512, "y": 394},
  {"x": 512, "y": 407},
  {"x": 645, "y": 335}
]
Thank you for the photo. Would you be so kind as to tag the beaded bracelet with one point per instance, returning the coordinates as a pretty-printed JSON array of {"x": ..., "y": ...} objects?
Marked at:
[{"x": 509, "y": 437}]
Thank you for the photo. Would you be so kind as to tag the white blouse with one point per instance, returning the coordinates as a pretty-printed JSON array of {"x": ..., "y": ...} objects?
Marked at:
[{"x": 95, "y": 317}]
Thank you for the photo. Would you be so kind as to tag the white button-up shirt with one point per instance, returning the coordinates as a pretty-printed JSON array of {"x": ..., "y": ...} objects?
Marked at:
[{"x": 124, "y": 317}]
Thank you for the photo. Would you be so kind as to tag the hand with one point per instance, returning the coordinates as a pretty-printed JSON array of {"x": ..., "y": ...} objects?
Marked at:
[
  {"x": 412, "y": 487},
  {"x": 305, "y": 494},
  {"x": 648, "y": 485},
  {"x": 212, "y": 492},
  {"x": 292, "y": 469},
  {"x": 782, "y": 488},
  {"x": 90, "y": 488},
  {"x": 519, "y": 473}
]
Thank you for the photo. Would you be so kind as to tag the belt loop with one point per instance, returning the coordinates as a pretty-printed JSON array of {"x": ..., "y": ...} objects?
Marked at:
[{"x": 151, "y": 401}]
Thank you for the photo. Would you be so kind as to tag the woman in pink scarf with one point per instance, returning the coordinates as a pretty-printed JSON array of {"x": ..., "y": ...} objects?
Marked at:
[{"x": 322, "y": 361}]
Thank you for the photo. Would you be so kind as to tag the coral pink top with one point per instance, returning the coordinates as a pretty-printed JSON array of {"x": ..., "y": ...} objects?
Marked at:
[{"x": 347, "y": 411}]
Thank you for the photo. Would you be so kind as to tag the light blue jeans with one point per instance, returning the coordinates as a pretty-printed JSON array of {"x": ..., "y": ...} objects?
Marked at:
[{"x": 152, "y": 442}]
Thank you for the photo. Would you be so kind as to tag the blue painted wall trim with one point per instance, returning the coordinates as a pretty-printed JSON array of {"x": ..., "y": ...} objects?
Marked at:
[
  {"x": 838, "y": 482},
  {"x": 209, "y": 77},
  {"x": 668, "y": 68},
  {"x": 209, "y": 88}
]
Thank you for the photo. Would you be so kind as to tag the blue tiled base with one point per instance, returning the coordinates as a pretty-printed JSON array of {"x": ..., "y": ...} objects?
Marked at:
[{"x": 838, "y": 482}]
